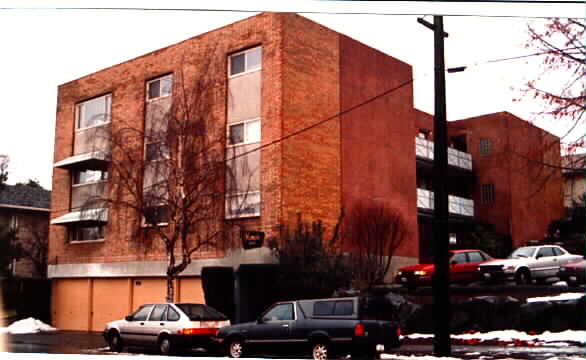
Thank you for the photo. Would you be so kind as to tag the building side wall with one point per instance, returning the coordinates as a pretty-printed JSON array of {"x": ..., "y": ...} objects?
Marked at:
[
  {"x": 310, "y": 171},
  {"x": 127, "y": 83},
  {"x": 378, "y": 138}
]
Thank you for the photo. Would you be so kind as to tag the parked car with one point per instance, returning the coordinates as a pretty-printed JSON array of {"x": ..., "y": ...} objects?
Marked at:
[
  {"x": 168, "y": 327},
  {"x": 573, "y": 273},
  {"x": 321, "y": 327},
  {"x": 528, "y": 263},
  {"x": 463, "y": 269}
]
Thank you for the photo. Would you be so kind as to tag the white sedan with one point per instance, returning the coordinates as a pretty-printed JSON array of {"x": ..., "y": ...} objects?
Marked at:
[{"x": 528, "y": 263}]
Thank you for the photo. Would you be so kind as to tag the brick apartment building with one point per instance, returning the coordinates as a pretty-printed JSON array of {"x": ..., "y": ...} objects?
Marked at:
[{"x": 282, "y": 74}]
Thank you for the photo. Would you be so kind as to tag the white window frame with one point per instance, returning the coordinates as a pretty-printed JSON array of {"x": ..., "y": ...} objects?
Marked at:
[
  {"x": 229, "y": 197},
  {"x": 78, "y": 113},
  {"x": 161, "y": 78},
  {"x": 102, "y": 180},
  {"x": 246, "y": 141},
  {"x": 246, "y": 70}
]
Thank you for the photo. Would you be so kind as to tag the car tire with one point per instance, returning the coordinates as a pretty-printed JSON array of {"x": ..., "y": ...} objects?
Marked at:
[
  {"x": 523, "y": 277},
  {"x": 320, "y": 350},
  {"x": 235, "y": 348},
  {"x": 165, "y": 346},
  {"x": 114, "y": 341}
]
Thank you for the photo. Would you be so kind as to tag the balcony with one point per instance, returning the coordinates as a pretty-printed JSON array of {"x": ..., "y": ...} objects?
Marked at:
[
  {"x": 86, "y": 205},
  {"x": 457, "y": 158},
  {"x": 456, "y": 205},
  {"x": 91, "y": 150}
]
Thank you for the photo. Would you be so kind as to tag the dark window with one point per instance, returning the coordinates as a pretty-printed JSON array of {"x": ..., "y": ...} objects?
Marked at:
[
  {"x": 557, "y": 251},
  {"x": 159, "y": 87},
  {"x": 344, "y": 308},
  {"x": 475, "y": 256},
  {"x": 158, "y": 313},
  {"x": 545, "y": 252},
  {"x": 237, "y": 64},
  {"x": 142, "y": 313},
  {"x": 485, "y": 146},
  {"x": 200, "y": 312},
  {"x": 172, "y": 315},
  {"x": 156, "y": 215},
  {"x": 458, "y": 259},
  {"x": 487, "y": 195},
  {"x": 279, "y": 312},
  {"x": 322, "y": 308},
  {"x": 86, "y": 232},
  {"x": 246, "y": 61},
  {"x": 236, "y": 134}
]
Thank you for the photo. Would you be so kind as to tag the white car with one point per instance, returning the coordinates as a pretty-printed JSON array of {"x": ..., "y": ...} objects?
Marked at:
[
  {"x": 168, "y": 327},
  {"x": 528, "y": 263}
]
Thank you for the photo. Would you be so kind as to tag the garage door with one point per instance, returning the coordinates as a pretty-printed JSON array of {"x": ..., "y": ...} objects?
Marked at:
[
  {"x": 190, "y": 290},
  {"x": 148, "y": 291},
  {"x": 111, "y": 301},
  {"x": 71, "y": 304}
]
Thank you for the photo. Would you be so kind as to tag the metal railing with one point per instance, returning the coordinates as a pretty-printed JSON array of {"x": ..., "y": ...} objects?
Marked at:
[
  {"x": 456, "y": 205},
  {"x": 424, "y": 149}
]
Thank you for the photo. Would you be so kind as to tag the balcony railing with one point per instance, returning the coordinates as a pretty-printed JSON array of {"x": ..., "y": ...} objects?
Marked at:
[
  {"x": 87, "y": 194},
  {"x": 456, "y": 204},
  {"x": 424, "y": 149}
]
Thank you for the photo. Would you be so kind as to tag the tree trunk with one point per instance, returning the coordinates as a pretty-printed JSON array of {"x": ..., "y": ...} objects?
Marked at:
[{"x": 170, "y": 289}]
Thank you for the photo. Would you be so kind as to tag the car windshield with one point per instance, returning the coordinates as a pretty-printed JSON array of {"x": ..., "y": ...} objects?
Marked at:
[
  {"x": 200, "y": 312},
  {"x": 522, "y": 253}
]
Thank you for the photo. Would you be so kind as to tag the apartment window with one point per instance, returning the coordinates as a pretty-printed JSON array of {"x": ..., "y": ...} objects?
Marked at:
[
  {"x": 89, "y": 176},
  {"x": 246, "y": 61},
  {"x": 156, "y": 151},
  {"x": 484, "y": 147},
  {"x": 160, "y": 87},
  {"x": 94, "y": 112},
  {"x": 487, "y": 194},
  {"x": 243, "y": 205},
  {"x": 86, "y": 232},
  {"x": 244, "y": 133},
  {"x": 156, "y": 215}
]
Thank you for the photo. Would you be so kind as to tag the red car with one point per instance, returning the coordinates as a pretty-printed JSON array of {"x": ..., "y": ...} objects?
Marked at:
[{"x": 463, "y": 269}]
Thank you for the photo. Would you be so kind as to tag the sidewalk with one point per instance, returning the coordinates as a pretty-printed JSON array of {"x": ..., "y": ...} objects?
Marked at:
[{"x": 58, "y": 342}]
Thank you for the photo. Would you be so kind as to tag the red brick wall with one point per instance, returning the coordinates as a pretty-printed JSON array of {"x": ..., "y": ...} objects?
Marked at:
[
  {"x": 311, "y": 160},
  {"x": 378, "y": 140}
]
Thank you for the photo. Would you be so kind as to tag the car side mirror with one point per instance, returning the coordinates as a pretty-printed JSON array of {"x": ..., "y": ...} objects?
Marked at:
[{"x": 128, "y": 318}]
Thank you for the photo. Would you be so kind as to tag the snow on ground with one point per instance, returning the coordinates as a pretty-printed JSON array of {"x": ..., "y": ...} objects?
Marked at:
[
  {"x": 558, "y": 339},
  {"x": 27, "y": 326},
  {"x": 560, "y": 297}
]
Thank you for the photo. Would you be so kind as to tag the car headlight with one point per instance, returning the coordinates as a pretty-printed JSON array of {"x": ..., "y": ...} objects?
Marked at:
[
  {"x": 562, "y": 269},
  {"x": 420, "y": 273},
  {"x": 399, "y": 273}
]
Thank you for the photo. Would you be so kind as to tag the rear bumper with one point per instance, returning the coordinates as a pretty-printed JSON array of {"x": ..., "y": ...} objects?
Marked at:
[{"x": 195, "y": 341}]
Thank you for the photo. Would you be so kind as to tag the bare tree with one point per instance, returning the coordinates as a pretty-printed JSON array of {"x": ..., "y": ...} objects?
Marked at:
[
  {"x": 3, "y": 170},
  {"x": 562, "y": 42},
  {"x": 33, "y": 245},
  {"x": 374, "y": 231},
  {"x": 172, "y": 173}
]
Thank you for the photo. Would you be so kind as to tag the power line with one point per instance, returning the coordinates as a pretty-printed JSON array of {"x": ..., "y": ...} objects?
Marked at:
[{"x": 307, "y": 12}]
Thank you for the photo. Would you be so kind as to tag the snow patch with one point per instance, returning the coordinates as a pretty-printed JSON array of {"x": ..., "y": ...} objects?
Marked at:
[
  {"x": 418, "y": 357},
  {"x": 27, "y": 326},
  {"x": 560, "y": 297},
  {"x": 557, "y": 339}
]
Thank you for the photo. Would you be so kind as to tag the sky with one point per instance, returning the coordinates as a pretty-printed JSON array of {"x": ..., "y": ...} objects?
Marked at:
[{"x": 45, "y": 45}]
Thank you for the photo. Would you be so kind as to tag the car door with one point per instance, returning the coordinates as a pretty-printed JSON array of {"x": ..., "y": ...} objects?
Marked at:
[
  {"x": 458, "y": 267},
  {"x": 545, "y": 263},
  {"x": 470, "y": 270},
  {"x": 273, "y": 328},
  {"x": 133, "y": 330},
  {"x": 155, "y": 323}
]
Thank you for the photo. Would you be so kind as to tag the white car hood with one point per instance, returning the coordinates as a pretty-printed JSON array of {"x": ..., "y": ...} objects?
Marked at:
[{"x": 506, "y": 262}]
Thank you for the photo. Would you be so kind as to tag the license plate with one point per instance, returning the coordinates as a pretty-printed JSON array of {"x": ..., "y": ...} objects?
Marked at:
[
  {"x": 486, "y": 275},
  {"x": 380, "y": 347}
]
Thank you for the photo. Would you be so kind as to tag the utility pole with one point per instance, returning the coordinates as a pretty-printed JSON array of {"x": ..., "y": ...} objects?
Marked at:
[{"x": 440, "y": 283}]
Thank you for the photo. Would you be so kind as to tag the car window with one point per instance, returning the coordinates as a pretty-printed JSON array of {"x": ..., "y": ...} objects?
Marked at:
[
  {"x": 321, "y": 308},
  {"x": 279, "y": 312},
  {"x": 523, "y": 252},
  {"x": 557, "y": 251},
  {"x": 172, "y": 315},
  {"x": 142, "y": 313},
  {"x": 545, "y": 252},
  {"x": 459, "y": 258},
  {"x": 201, "y": 312},
  {"x": 344, "y": 308},
  {"x": 158, "y": 313},
  {"x": 475, "y": 256}
]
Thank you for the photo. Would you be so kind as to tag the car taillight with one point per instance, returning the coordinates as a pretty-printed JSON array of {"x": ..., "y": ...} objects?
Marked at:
[
  {"x": 398, "y": 332},
  {"x": 359, "y": 329},
  {"x": 200, "y": 331}
]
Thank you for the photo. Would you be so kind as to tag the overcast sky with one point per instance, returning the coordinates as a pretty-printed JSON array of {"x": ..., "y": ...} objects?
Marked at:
[{"x": 43, "y": 47}]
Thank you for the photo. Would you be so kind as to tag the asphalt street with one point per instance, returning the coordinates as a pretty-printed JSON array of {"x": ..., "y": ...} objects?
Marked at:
[{"x": 71, "y": 342}]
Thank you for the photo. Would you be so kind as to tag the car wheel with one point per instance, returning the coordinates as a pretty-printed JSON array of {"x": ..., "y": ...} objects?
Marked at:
[
  {"x": 235, "y": 348},
  {"x": 523, "y": 277},
  {"x": 319, "y": 351},
  {"x": 165, "y": 347},
  {"x": 114, "y": 341}
]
